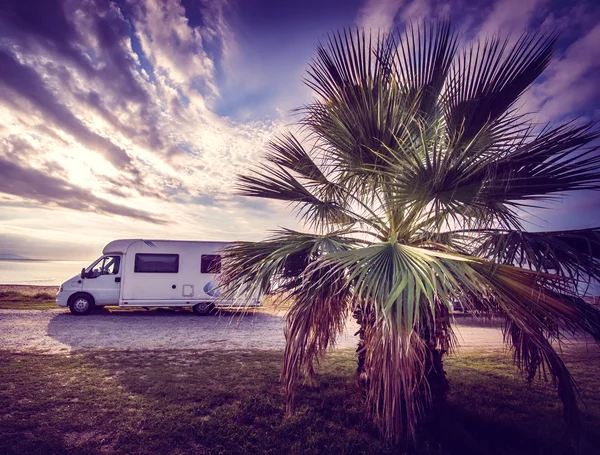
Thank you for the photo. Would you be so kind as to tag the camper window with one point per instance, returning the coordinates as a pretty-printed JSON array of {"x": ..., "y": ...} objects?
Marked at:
[
  {"x": 210, "y": 263},
  {"x": 156, "y": 263}
]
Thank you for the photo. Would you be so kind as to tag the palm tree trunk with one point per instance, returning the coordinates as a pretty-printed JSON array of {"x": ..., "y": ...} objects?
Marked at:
[
  {"x": 437, "y": 343},
  {"x": 436, "y": 376},
  {"x": 365, "y": 317},
  {"x": 434, "y": 364}
]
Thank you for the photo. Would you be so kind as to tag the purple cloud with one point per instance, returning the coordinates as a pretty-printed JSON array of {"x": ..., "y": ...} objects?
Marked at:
[
  {"x": 25, "y": 82},
  {"x": 162, "y": 102},
  {"x": 34, "y": 185},
  {"x": 66, "y": 30},
  {"x": 571, "y": 82}
]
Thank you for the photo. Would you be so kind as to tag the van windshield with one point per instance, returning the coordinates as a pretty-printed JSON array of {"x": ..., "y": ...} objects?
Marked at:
[
  {"x": 106, "y": 265},
  {"x": 94, "y": 265}
]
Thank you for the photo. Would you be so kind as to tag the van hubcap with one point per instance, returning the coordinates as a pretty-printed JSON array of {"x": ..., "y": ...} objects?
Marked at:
[
  {"x": 202, "y": 307},
  {"x": 81, "y": 305}
]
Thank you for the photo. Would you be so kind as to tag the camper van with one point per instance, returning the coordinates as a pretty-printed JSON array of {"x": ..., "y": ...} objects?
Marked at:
[{"x": 150, "y": 273}]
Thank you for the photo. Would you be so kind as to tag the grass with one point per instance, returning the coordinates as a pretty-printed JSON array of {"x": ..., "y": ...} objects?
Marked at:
[
  {"x": 156, "y": 402},
  {"x": 15, "y": 300}
]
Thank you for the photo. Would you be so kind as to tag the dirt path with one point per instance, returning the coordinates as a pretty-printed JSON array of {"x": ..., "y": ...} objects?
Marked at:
[
  {"x": 58, "y": 331},
  {"x": 54, "y": 331}
]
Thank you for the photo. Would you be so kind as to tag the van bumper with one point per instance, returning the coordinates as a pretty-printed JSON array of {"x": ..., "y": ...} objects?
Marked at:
[{"x": 62, "y": 298}]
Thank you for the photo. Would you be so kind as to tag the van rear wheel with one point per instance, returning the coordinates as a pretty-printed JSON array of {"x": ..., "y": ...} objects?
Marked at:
[
  {"x": 203, "y": 308},
  {"x": 81, "y": 304}
]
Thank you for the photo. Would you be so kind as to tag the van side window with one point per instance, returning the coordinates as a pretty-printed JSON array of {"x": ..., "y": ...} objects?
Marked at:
[
  {"x": 156, "y": 263},
  {"x": 210, "y": 263},
  {"x": 111, "y": 265},
  {"x": 107, "y": 265}
]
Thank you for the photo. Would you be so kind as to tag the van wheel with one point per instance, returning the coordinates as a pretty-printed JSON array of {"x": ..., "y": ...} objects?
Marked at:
[
  {"x": 81, "y": 304},
  {"x": 203, "y": 308}
]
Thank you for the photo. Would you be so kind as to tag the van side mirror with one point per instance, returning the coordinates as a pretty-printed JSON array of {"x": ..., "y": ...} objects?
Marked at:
[{"x": 83, "y": 273}]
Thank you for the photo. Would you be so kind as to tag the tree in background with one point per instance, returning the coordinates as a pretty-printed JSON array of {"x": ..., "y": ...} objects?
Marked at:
[{"x": 412, "y": 178}]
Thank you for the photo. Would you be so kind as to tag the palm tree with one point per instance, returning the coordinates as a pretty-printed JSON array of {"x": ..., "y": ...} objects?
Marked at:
[{"x": 412, "y": 177}]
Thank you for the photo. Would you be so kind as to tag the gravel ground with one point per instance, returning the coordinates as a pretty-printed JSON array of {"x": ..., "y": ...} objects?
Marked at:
[{"x": 57, "y": 330}]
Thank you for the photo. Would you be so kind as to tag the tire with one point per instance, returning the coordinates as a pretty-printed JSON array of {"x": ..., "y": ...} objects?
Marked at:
[
  {"x": 203, "y": 308},
  {"x": 81, "y": 304}
]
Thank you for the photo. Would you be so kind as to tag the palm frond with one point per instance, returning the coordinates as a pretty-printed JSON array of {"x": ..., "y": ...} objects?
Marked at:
[
  {"x": 435, "y": 192},
  {"x": 421, "y": 61},
  {"x": 276, "y": 264},
  {"x": 571, "y": 253},
  {"x": 289, "y": 153},
  {"x": 486, "y": 80},
  {"x": 534, "y": 295},
  {"x": 317, "y": 315},
  {"x": 274, "y": 182},
  {"x": 390, "y": 275},
  {"x": 534, "y": 355},
  {"x": 362, "y": 105},
  {"x": 537, "y": 315},
  {"x": 348, "y": 60},
  {"x": 557, "y": 161}
]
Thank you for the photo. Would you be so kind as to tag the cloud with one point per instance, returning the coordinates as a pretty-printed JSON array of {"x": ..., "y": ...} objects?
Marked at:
[
  {"x": 29, "y": 183},
  {"x": 378, "y": 14},
  {"x": 107, "y": 110},
  {"x": 174, "y": 49},
  {"x": 570, "y": 86},
  {"x": 66, "y": 30},
  {"x": 23, "y": 81},
  {"x": 143, "y": 107},
  {"x": 147, "y": 119},
  {"x": 511, "y": 17},
  {"x": 41, "y": 23},
  {"x": 418, "y": 10}
]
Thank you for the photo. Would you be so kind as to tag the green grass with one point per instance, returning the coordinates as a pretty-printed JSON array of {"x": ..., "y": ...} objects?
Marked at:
[
  {"x": 158, "y": 402},
  {"x": 14, "y": 300}
]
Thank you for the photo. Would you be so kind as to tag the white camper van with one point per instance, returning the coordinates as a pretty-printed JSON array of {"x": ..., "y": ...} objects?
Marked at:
[{"x": 150, "y": 273}]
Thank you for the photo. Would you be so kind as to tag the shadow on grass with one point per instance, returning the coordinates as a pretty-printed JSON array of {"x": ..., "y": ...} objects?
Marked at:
[
  {"x": 455, "y": 430},
  {"x": 231, "y": 402}
]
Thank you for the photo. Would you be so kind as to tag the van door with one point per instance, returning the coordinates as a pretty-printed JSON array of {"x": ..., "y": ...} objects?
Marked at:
[{"x": 103, "y": 280}]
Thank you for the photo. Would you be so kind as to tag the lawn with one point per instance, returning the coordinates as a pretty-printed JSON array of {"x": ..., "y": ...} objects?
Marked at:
[
  {"x": 15, "y": 300},
  {"x": 161, "y": 402},
  {"x": 33, "y": 299}
]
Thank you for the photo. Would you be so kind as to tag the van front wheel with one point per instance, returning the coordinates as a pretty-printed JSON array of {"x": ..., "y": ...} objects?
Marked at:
[
  {"x": 203, "y": 308},
  {"x": 81, "y": 304}
]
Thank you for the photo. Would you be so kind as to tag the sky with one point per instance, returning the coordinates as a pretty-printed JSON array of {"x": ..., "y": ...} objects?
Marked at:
[{"x": 131, "y": 118}]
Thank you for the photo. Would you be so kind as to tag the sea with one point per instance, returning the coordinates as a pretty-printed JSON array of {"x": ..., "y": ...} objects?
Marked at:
[{"x": 39, "y": 272}]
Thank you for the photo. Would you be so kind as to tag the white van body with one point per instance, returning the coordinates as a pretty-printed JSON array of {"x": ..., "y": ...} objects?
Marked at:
[{"x": 151, "y": 273}]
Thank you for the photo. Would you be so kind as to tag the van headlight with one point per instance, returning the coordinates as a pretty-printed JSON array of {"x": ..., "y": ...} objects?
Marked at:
[{"x": 61, "y": 288}]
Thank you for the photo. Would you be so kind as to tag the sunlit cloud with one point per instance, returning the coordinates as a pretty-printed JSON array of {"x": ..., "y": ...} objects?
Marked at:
[
  {"x": 132, "y": 118},
  {"x": 378, "y": 14}
]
